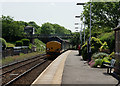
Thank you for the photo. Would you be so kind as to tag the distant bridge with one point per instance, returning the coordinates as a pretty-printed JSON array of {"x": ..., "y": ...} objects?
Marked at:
[
  {"x": 64, "y": 36},
  {"x": 45, "y": 37}
]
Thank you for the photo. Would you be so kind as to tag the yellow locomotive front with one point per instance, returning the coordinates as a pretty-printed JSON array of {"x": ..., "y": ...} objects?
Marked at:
[{"x": 53, "y": 48}]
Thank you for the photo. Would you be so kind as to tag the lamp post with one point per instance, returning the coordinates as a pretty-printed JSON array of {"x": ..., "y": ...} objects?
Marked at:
[
  {"x": 84, "y": 29},
  {"x": 84, "y": 23},
  {"x": 90, "y": 31}
]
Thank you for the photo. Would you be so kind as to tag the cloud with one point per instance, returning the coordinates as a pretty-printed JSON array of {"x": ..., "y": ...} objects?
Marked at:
[
  {"x": 52, "y": 4},
  {"x": 43, "y": 0}
]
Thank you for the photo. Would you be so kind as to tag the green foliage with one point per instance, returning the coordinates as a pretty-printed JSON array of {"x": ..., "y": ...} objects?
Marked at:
[
  {"x": 10, "y": 45},
  {"x": 4, "y": 43},
  {"x": 75, "y": 40},
  {"x": 60, "y": 29},
  {"x": 110, "y": 39},
  {"x": 104, "y": 47},
  {"x": 99, "y": 55},
  {"x": 112, "y": 55},
  {"x": 101, "y": 58},
  {"x": 47, "y": 29},
  {"x": 14, "y": 30},
  {"x": 95, "y": 45},
  {"x": 104, "y": 14},
  {"x": 96, "y": 42},
  {"x": 106, "y": 59},
  {"x": 11, "y": 30},
  {"x": 85, "y": 54},
  {"x": 25, "y": 42},
  {"x": 98, "y": 62},
  {"x": 30, "y": 46},
  {"x": 39, "y": 44},
  {"x": 19, "y": 43}
]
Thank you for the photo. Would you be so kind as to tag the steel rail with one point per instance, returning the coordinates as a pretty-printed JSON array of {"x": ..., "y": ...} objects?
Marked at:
[
  {"x": 10, "y": 82},
  {"x": 19, "y": 66},
  {"x": 21, "y": 61}
]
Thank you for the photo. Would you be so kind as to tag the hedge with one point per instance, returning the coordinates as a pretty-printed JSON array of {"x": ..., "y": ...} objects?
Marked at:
[
  {"x": 4, "y": 43},
  {"x": 19, "y": 43},
  {"x": 26, "y": 42}
]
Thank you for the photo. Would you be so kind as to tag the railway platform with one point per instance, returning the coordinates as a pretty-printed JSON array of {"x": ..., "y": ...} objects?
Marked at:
[{"x": 69, "y": 68}]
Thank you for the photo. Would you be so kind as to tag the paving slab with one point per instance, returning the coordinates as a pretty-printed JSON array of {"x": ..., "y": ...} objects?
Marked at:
[{"x": 77, "y": 71}]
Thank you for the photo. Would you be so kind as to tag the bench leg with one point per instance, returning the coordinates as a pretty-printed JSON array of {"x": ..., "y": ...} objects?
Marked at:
[{"x": 108, "y": 70}]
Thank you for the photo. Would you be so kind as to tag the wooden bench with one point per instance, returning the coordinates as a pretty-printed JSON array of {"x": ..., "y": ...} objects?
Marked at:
[
  {"x": 109, "y": 69},
  {"x": 109, "y": 65},
  {"x": 112, "y": 63}
]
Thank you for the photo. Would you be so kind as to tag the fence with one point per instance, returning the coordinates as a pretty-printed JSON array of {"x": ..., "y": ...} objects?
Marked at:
[{"x": 15, "y": 51}]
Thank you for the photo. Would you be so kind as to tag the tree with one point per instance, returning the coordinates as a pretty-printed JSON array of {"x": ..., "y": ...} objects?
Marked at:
[
  {"x": 75, "y": 41},
  {"x": 11, "y": 30},
  {"x": 60, "y": 29},
  {"x": 104, "y": 14},
  {"x": 47, "y": 29}
]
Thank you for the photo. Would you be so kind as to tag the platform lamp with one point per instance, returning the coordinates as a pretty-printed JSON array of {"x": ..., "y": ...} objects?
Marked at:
[
  {"x": 90, "y": 32},
  {"x": 80, "y": 30}
]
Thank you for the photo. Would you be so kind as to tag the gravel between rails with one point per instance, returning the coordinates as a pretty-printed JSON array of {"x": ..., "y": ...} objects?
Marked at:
[
  {"x": 28, "y": 78},
  {"x": 16, "y": 65},
  {"x": 9, "y": 76}
]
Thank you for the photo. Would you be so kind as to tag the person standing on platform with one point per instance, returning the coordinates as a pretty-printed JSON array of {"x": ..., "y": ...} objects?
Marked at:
[{"x": 79, "y": 49}]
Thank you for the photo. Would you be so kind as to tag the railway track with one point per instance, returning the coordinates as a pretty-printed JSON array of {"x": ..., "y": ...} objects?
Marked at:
[
  {"x": 13, "y": 72},
  {"x": 7, "y": 68},
  {"x": 14, "y": 63}
]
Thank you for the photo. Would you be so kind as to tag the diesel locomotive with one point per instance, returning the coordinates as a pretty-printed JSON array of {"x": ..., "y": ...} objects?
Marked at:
[{"x": 55, "y": 46}]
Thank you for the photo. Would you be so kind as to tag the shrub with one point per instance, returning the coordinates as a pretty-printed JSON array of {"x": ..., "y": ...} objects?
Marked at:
[
  {"x": 95, "y": 45},
  {"x": 99, "y": 55},
  {"x": 25, "y": 42},
  {"x": 110, "y": 39},
  {"x": 98, "y": 62},
  {"x": 38, "y": 44},
  {"x": 112, "y": 55},
  {"x": 84, "y": 53},
  {"x": 30, "y": 46},
  {"x": 4, "y": 44},
  {"x": 19, "y": 43},
  {"x": 104, "y": 46},
  {"x": 106, "y": 59}
]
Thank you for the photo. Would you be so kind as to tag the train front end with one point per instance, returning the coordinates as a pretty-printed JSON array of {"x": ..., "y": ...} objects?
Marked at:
[{"x": 53, "y": 48}]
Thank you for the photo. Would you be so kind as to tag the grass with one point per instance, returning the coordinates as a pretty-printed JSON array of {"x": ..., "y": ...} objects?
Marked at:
[
  {"x": 22, "y": 56},
  {"x": 10, "y": 45},
  {"x": 39, "y": 44},
  {"x": 40, "y": 50}
]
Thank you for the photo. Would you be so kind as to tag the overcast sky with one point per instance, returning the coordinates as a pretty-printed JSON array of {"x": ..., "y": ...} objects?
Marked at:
[{"x": 61, "y": 12}]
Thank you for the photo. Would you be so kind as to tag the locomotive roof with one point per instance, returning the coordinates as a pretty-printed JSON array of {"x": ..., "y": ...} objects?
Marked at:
[{"x": 57, "y": 39}]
